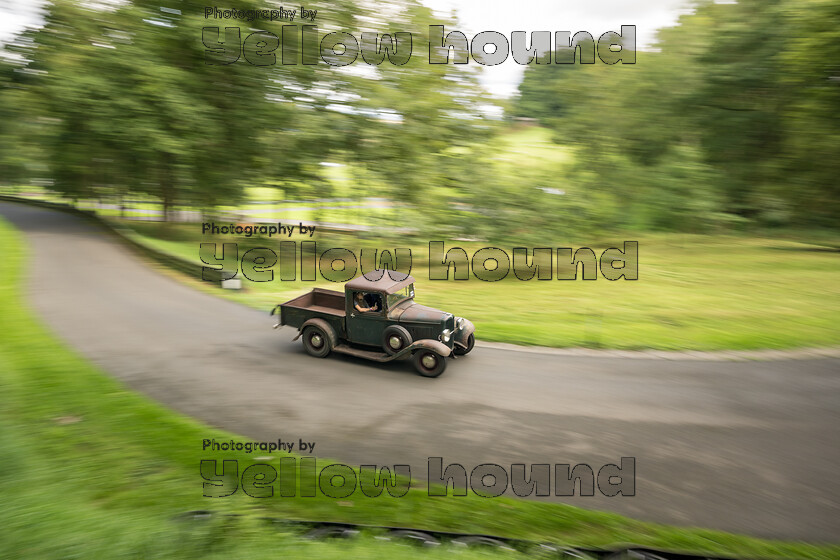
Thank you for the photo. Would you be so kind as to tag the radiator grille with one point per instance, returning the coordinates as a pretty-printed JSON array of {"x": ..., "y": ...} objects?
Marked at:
[{"x": 419, "y": 333}]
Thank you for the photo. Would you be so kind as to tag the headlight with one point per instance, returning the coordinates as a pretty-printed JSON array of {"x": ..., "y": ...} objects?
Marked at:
[
  {"x": 459, "y": 322},
  {"x": 445, "y": 335}
]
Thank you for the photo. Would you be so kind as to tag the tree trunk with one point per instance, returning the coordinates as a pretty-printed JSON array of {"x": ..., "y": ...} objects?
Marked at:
[{"x": 166, "y": 187}]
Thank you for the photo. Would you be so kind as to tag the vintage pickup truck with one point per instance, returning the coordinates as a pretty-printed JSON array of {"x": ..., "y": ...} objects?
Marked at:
[{"x": 376, "y": 318}]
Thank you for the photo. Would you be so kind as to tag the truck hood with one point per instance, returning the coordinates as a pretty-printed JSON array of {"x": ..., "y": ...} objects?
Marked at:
[{"x": 414, "y": 312}]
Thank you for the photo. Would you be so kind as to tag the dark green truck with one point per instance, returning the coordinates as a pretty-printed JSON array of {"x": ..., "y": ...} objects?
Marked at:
[{"x": 377, "y": 318}]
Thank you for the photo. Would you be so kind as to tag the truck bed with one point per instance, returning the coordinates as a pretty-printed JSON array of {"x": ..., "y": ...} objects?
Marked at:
[{"x": 327, "y": 304}]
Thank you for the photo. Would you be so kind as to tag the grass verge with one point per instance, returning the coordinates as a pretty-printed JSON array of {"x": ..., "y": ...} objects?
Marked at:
[{"x": 694, "y": 292}]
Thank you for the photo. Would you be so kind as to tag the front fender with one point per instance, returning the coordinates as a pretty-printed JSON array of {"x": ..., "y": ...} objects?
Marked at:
[
  {"x": 461, "y": 335},
  {"x": 427, "y": 343}
]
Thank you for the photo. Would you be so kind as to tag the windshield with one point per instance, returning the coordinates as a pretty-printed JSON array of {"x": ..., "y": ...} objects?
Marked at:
[{"x": 402, "y": 295}]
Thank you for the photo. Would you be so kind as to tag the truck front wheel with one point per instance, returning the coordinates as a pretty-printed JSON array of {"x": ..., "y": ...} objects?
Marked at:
[
  {"x": 463, "y": 351},
  {"x": 428, "y": 363},
  {"x": 316, "y": 342}
]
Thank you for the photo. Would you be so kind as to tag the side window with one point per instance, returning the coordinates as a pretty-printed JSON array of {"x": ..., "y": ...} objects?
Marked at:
[
  {"x": 374, "y": 301},
  {"x": 368, "y": 302}
]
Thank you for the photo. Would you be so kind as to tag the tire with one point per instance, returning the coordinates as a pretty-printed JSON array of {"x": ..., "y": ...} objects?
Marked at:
[
  {"x": 464, "y": 351},
  {"x": 316, "y": 342},
  {"x": 428, "y": 363},
  {"x": 395, "y": 334}
]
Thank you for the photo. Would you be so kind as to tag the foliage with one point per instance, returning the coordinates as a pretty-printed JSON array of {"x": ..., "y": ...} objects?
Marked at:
[
  {"x": 124, "y": 100},
  {"x": 737, "y": 109}
]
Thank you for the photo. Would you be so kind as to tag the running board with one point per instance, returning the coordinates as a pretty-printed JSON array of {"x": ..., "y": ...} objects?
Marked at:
[{"x": 366, "y": 354}]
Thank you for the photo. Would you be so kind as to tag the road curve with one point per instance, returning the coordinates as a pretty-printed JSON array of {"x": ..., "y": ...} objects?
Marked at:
[{"x": 747, "y": 447}]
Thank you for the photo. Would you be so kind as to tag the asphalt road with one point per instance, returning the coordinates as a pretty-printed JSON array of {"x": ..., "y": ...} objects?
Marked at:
[{"x": 748, "y": 447}]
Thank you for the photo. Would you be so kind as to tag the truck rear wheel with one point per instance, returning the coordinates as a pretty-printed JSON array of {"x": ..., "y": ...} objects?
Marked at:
[
  {"x": 428, "y": 363},
  {"x": 315, "y": 341}
]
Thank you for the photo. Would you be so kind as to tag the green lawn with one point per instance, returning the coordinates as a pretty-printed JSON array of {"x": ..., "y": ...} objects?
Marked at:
[
  {"x": 694, "y": 292},
  {"x": 92, "y": 470},
  {"x": 532, "y": 144}
]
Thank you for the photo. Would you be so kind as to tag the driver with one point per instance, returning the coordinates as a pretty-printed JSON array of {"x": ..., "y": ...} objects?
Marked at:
[{"x": 366, "y": 302}]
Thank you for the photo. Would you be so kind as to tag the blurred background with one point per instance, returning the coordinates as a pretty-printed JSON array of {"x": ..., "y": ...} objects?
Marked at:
[{"x": 728, "y": 120}]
